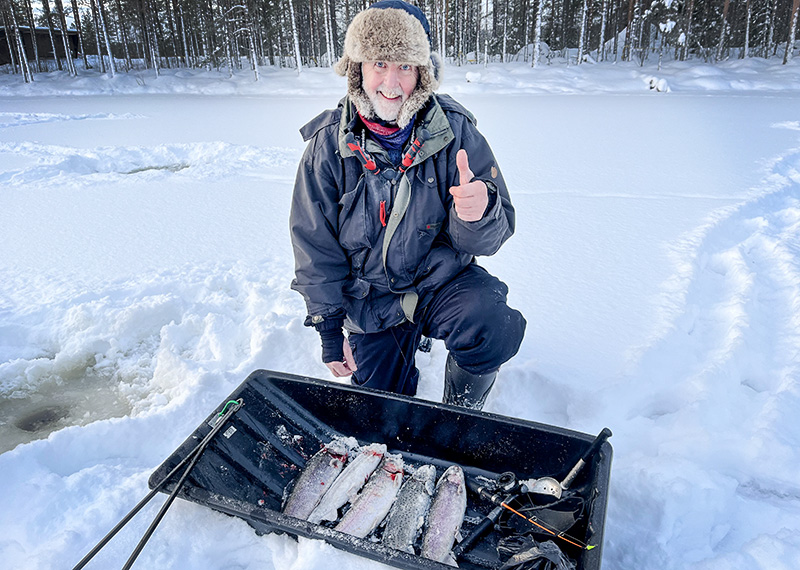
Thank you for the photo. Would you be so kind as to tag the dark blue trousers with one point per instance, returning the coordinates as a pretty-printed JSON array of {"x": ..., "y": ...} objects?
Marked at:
[{"x": 469, "y": 313}]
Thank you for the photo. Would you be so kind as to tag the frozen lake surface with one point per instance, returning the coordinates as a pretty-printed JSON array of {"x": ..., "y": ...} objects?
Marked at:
[{"x": 145, "y": 272}]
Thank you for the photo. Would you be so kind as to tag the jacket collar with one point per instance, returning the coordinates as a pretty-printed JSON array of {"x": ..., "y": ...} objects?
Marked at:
[{"x": 433, "y": 119}]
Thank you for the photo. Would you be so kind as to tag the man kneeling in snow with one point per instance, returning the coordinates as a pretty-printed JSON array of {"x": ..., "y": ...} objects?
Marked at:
[{"x": 396, "y": 194}]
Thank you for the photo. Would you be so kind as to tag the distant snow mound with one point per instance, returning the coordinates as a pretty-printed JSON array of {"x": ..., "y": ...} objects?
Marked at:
[
  {"x": 473, "y": 77},
  {"x": 203, "y": 159},
  {"x": 658, "y": 84}
]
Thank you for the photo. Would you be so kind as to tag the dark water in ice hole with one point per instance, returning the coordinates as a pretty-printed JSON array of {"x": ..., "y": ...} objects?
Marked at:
[{"x": 78, "y": 397}]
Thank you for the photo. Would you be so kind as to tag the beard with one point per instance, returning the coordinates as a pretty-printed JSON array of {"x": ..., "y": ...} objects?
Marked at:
[{"x": 387, "y": 108}]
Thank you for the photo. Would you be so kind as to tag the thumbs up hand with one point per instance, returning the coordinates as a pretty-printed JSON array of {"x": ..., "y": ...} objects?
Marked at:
[{"x": 469, "y": 198}]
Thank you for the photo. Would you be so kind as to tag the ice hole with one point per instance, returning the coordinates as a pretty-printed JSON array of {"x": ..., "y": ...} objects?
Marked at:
[{"x": 75, "y": 397}]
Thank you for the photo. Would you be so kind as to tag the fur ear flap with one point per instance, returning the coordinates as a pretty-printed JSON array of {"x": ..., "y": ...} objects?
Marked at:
[
  {"x": 437, "y": 66},
  {"x": 340, "y": 67}
]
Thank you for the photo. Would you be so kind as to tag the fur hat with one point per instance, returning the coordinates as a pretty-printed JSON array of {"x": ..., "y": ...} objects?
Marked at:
[{"x": 390, "y": 30}]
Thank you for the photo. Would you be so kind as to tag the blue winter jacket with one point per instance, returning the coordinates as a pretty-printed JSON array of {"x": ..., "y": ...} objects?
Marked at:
[{"x": 379, "y": 245}]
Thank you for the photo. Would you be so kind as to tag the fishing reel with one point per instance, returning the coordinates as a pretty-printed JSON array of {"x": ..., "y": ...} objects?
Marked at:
[{"x": 498, "y": 488}]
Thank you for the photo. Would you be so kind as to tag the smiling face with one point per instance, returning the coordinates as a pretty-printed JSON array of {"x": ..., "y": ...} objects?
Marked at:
[{"x": 388, "y": 85}]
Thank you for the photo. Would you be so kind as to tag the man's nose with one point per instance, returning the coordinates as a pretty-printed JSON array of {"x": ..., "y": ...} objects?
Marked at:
[{"x": 392, "y": 78}]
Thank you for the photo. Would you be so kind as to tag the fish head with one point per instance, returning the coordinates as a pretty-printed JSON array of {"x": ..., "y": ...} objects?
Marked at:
[
  {"x": 393, "y": 465},
  {"x": 340, "y": 447},
  {"x": 426, "y": 475},
  {"x": 453, "y": 475}
]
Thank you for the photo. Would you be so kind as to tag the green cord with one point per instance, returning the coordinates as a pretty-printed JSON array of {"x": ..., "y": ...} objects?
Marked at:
[{"x": 234, "y": 402}]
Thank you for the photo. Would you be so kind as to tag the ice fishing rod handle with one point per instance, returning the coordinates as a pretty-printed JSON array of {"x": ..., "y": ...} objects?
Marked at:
[
  {"x": 221, "y": 420},
  {"x": 594, "y": 448},
  {"x": 483, "y": 527},
  {"x": 190, "y": 457},
  {"x": 483, "y": 492}
]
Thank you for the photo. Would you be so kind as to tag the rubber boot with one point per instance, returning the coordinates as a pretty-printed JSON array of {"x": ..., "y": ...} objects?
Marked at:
[{"x": 462, "y": 388}]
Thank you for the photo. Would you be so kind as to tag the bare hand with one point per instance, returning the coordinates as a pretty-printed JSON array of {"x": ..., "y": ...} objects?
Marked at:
[
  {"x": 347, "y": 366},
  {"x": 469, "y": 198}
]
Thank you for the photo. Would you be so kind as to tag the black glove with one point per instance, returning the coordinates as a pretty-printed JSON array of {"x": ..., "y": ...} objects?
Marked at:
[
  {"x": 332, "y": 345},
  {"x": 330, "y": 331}
]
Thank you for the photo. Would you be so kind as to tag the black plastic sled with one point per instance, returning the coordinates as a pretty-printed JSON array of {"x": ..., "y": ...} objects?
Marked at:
[{"x": 284, "y": 419}]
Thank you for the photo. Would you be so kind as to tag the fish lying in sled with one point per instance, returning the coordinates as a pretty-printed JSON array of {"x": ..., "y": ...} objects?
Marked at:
[
  {"x": 327, "y": 483},
  {"x": 405, "y": 520},
  {"x": 349, "y": 482},
  {"x": 372, "y": 504},
  {"x": 317, "y": 476},
  {"x": 445, "y": 516}
]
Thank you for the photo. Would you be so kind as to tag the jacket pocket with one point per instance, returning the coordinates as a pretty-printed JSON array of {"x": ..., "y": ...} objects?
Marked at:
[{"x": 353, "y": 218}]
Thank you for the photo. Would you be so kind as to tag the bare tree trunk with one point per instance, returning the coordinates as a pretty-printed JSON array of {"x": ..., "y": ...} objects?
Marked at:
[
  {"x": 227, "y": 40},
  {"x": 626, "y": 50},
  {"x": 505, "y": 32},
  {"x": 478, "y": 19},
  {"x": 282, "y": 41},
  {"x": 582, "y": 39},
  {"x": 76, "y": 15},
  {"x": 5, "y": 7},
  {"x": 748, "y": 15},
  {"x": 328, "y": 32},
  {"x": 194, "y": 49},
  {"x": 723, "y": 29},
  {"x": 178, "y": 11},
  {"x": 32, "y": 30},
  {"x": 101, "y": 15},
  {"x": 617, "y": 31},
  {"x": 313, "y": 33},
  {"x": 458, "y": 23},
  {"x": 172, "y": 33},
  {"x": 65, "y": 39},
  {"x": 601, "y": 46},
  {"x": 152, "y": 38},
  {"x": 96, "y": 20},
  {"x": 537, "y": 33},
  {"x": 206, "y": 38},
  {"x": 483, "y": 22},
  {"x": 443, "y": 37},
  {"x": 640, "y": 29},
  {"x": 250, "y": 41},
  {"x": 295, "y": 38},
  {"x": 123, "y": 33},
  {"x": 49, "y": 17},
  {"x": 23, "y": 58},
  {"x": 688, "y": 35},
  {"x": 787, "y": 57},
  {"x": 771, "y": 34}
]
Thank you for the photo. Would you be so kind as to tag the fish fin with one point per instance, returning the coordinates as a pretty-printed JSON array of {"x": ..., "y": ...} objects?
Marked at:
[{"x": 420, "y": 521}]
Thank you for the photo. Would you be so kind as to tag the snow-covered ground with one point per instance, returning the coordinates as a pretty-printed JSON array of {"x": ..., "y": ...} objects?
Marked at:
[{"x": 145, "y": 268}]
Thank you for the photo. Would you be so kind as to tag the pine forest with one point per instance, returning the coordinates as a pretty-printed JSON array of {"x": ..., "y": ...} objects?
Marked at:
[{"x": 239, "y": 36}]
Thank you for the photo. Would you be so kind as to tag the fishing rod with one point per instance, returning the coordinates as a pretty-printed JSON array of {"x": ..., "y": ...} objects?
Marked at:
[
  {"x": 512, "y": 489},
  {"x": 555, "y": 532},
  {"x": 230, "y": 408},
  {"x": 502, "y": 502}
]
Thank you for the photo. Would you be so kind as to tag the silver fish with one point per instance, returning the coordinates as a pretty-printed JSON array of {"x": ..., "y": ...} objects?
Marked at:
[
  {"x": 445, "y": 516},
  {"x": 316, "y": 478},
  {"x": 348, "y": 483},
  {"x": 370, "y": 506},
  {"x": 407, "y": 516}
]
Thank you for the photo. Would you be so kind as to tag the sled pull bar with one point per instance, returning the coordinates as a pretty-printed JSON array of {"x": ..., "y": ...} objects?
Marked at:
[{"x": 230, "y": 408}]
